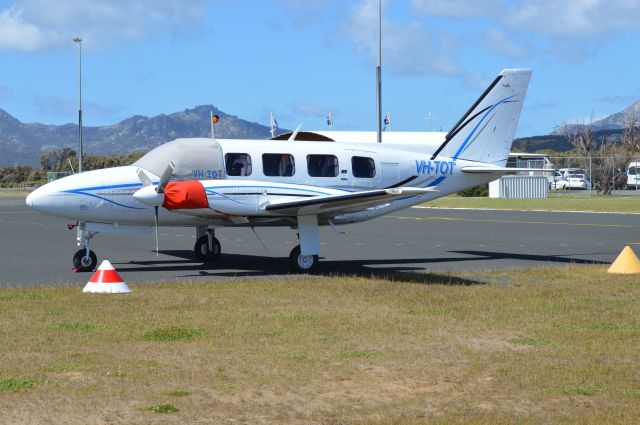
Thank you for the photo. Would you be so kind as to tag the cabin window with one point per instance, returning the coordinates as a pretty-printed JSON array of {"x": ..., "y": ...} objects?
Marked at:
[
  {"x": 278, "y": 164},
  {"x": 632, "y": 171},
  {"x": 363, "y": 167},
  {"x": 238, "y": 164},
  {"x": 322, "y": 165}
]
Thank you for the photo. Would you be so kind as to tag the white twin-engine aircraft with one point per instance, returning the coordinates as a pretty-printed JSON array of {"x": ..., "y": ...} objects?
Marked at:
[{"x": 207, "y": 183}]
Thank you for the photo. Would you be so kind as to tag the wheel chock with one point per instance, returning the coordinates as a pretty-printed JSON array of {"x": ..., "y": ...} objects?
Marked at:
[
  {"x": 106, "y": 280},
  {"x": 626, "y": 263}
]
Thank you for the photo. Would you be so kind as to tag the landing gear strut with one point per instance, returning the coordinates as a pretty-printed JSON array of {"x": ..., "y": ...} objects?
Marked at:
[
  {"x": 84, "y": 260},
  {"x": 309, "y": 237},
  {"x": 207, "y": 247}
]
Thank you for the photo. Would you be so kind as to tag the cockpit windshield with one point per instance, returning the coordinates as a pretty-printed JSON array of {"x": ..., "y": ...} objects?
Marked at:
[{"x": 198, "y": 159}]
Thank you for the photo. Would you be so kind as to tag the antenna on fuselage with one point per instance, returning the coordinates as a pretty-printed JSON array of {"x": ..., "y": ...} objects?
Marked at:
[{"x": 295, "y": 133}]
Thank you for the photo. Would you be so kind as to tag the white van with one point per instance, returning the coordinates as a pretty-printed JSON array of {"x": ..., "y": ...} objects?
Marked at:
[{"x": 633, "y": 175}]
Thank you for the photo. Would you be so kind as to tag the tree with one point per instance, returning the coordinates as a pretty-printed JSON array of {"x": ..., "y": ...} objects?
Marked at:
[
  {"x": 57, "y": 160},
  {"x": 607, "y": 158}
]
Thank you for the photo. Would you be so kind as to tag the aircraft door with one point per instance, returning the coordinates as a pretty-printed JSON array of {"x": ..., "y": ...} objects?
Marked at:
[{"x": 389, "y": 174}]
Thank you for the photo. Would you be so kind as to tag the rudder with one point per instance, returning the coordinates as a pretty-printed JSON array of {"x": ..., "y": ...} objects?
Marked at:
[{"x": 485, "y": 133}]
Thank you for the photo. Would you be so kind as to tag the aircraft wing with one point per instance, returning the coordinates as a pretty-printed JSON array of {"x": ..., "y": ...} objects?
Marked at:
[{"x": 344, "y": 204}]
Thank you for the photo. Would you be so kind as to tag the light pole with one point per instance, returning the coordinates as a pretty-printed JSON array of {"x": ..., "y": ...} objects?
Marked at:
[
  {"x": 379, "y": 76},
  {"x": 79, "y": 41}
]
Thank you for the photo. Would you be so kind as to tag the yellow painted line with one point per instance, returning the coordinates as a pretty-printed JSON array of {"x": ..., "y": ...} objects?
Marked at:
[{"x": 511, "y": 221}]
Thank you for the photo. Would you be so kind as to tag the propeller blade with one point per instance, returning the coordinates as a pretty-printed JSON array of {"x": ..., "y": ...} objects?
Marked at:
[
  {"x": 155, "y": 210},
  {"x": 166, "y": 175},
  {"x": 144, "y": 178}
]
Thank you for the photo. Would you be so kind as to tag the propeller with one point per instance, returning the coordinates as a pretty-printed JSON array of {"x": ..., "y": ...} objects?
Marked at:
[
  {"x": 166, "y": 175},
  {"x": 154, "y": 196}
]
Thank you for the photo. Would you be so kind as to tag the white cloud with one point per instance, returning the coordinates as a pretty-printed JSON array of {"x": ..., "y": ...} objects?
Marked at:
[
  {"x": 498, "y": 41},
  {"x": 16, "y": 33},
  {"x": 624, "y": 99},
  {"x": 59, "y": 107},
  {"x": 309, "y": 110},
  {"x": 407, "y": 48},
  {"x": 4, "y": 93},
  {"x": 455, "y": 8},
  {"x": 585, "y": 18},
  {"x": 37, "y": 24}
]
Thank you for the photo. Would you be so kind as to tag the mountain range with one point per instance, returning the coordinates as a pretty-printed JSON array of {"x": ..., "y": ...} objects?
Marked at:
[{"x": 22, "y": 143}]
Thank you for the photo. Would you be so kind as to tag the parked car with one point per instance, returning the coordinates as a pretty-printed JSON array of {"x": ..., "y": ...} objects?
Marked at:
[
  {"x": 558, "y": 181},
  {"x": 633, "y": 175},
  {"x": 560, "y": 184},
  {"x": 578, "y": 181},
  {"x": 566, "y": 172}
]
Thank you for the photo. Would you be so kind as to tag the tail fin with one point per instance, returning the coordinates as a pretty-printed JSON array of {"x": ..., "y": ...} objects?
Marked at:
[{"x": 485, "y": 133}]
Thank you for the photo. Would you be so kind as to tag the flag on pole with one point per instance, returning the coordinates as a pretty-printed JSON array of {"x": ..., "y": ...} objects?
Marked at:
[
  {"x": 274, "y": 125},
  {"x": 215, "y": 119},
  {"x": 387, "y": 121},
  {"x": 330, "y": 119}
]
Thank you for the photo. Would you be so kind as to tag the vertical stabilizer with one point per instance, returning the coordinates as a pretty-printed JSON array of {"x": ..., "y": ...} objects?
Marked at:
[{"x": 485, "y": 133}]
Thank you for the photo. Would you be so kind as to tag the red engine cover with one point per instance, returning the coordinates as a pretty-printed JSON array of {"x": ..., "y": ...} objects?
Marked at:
[{"x": 185, "y": 195}]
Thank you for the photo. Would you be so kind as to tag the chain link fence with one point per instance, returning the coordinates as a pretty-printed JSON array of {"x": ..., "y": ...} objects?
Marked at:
[{"x": 606, "y": 175}]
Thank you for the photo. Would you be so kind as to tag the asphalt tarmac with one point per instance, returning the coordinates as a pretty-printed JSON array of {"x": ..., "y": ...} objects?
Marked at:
[{"x": 36, "y": 249}]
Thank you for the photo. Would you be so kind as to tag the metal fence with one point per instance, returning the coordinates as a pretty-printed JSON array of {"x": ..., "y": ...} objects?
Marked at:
[
  {"x": 608, "y": 171},
  {"x": 18, "y": 188}
]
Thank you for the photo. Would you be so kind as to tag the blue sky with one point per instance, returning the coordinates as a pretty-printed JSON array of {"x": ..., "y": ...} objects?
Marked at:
[{"x": 302, "y": 59}]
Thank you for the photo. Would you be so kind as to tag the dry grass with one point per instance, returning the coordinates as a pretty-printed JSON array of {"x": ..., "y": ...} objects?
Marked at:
[
  {"x": 14, "y": 193},
  {"x": 558, "y": 345},
  {"x": 594, "y": 203}
]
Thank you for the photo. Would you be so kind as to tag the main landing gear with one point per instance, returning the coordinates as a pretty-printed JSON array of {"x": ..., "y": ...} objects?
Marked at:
[
  {"x": 302, "y": 263},
  {"x": 304, "y": 257},
  {"x": 207, "y": 247}
]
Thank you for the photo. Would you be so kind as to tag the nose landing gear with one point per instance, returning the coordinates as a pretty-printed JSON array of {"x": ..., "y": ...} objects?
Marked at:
[{"x": 84, "y": 260}]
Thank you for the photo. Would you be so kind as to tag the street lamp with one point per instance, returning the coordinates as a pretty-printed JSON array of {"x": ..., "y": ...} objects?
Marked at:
[{"x": 79, "y": 41}]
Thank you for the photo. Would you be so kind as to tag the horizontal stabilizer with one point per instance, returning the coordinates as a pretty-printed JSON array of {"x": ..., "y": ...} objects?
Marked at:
[{"x": 500, "y": 170}]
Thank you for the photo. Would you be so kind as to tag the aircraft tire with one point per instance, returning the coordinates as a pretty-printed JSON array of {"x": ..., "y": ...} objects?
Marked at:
[
  {"x": 302, "y": 263},
  {"x": 82, "y": 264},
  {"x": 201, "y": 249}
]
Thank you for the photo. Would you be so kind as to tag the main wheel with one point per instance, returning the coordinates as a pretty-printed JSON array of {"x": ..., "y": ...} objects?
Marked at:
[
  {"x": 82, "y": 263},
  {"x": 302, "y": 263},
  {"x": 201, "y": 249}
]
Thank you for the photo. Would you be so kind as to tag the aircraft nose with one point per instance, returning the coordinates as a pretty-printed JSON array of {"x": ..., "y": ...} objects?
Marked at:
[
  {"x": 44, "y": 200},
  {"x": 29, "y": 200}
]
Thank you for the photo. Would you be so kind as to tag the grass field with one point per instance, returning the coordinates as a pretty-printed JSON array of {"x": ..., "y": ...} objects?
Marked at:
[
  {"x": 625, "y": 204},
  {"x": 557, "y": 345},
  {"x": 13, "y": 193}
]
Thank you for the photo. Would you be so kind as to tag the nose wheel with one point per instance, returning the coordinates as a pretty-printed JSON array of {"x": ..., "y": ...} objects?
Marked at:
[
  {"x": 83, "y": 262},
  {"x": 205, "y": 251},
  {"x": 302, "y": 263}
]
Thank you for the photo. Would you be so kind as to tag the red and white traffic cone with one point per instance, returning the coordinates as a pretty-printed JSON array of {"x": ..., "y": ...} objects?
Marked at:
[{"x": 106, "y": 280}]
